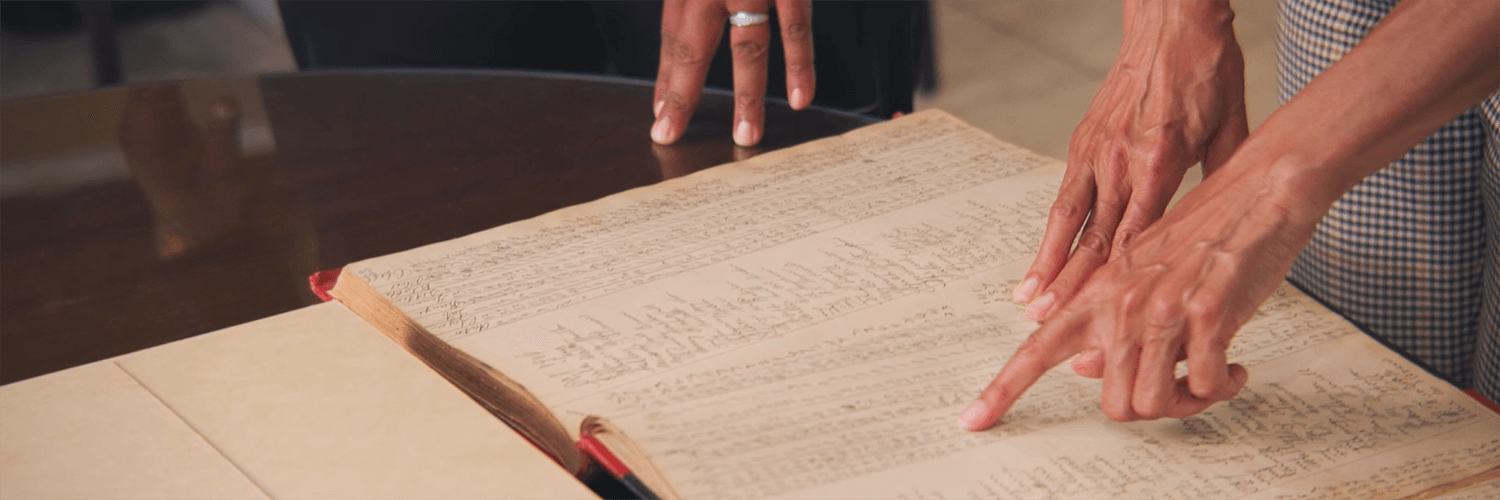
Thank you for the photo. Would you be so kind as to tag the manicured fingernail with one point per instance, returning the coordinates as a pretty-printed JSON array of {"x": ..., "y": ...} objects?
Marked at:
[
  {"x": 742, "y": 134},
  {"x": 798, "y": 97},
  {"x": 1027, "y": 290},
  {"x": 660, "y": 131},
  {"x": 1040, "y": 306},
  {"x": 974, "y": 416},
  {"x": 657, "y": 111}
]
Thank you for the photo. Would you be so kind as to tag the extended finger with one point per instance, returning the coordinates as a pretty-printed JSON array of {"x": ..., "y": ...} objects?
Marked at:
[
  {"x": 1148, "y": 200},
  {"x": 1121, "y": 359},
  {"x": 1213, "y": 322},
  {"x": 1091, "y": 251},
  {"x": 1208, "y": 367},
  {"x": 671, "y": 17},
  {"x": 797, "y": 42},
  {"x": 1162, "y": 335},
  {"x": 1185, "y": 404},
  {"x": 688, "y": 50},
  {"x": 1045, "y": 348},
  {"x": 749, "y": 46},
  {"x": 1209, "y": 374},
  {"x": 1089, "y": 363},
  {"x": 1064, "y": 219}
]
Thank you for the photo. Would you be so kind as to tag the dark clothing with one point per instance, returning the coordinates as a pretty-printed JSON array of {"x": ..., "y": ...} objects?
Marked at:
[{"x": 870, "y": 56}]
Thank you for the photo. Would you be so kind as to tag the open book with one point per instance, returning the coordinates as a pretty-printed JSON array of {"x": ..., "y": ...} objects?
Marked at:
[{"x": 809, "y": 323}]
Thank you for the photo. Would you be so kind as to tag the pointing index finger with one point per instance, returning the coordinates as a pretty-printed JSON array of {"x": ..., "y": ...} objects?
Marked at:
[{"x": 1048, "y": 346}]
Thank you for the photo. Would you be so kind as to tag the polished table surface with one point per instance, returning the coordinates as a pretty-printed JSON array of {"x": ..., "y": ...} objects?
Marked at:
[{"x": 132, "y": 217}]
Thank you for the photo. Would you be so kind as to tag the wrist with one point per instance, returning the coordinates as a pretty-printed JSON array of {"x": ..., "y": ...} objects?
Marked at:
[
  {"x": 1196, "y": 17},
  {"x": 1301, "y": 181},
  {"x": 1187, "y": 35}
]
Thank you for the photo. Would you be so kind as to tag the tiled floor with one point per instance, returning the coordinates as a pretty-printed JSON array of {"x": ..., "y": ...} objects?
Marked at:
[{"x": 1023, "y": 70}]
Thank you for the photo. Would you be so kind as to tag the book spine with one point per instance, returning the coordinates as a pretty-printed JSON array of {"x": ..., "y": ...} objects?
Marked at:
[{"x": 594, "y": 449}]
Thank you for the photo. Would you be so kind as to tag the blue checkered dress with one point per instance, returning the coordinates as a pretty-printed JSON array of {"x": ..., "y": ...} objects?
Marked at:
[{"x": 1412, "y": 253}]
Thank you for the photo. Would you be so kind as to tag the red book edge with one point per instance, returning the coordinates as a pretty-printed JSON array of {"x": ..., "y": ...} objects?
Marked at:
[
  {"x": 601, "y": 455},
  {"x": 1483, "y": 400},
  {"x": 594, "y": 449},
  {"x": 323, "y": 281}
]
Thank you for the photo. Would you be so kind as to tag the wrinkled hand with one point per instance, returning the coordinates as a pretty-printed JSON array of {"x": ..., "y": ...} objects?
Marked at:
[
  {"x": 690, "y": 32},
  {"x": 1180, "y": 292},
  {"x": 1175, "y": 97}
]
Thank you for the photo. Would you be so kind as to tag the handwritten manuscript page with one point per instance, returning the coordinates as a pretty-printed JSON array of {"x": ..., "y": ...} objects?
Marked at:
[{"x": 809, "y": 323}]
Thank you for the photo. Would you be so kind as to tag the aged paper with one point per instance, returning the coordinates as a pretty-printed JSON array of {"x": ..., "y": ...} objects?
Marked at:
[
  {"x": 809, "y": 324},
  {"x": 94, "y": 432},
  {"x": 313, "y": 403}
]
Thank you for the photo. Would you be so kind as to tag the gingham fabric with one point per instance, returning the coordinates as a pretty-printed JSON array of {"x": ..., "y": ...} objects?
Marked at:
[{"x": 1412, "y": 253}]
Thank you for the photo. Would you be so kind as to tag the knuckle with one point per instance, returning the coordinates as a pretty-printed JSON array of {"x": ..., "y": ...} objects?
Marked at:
[
  {"x": 747, "y": 101},
  {"x": 1093, "y": 240},
  {"x": 1202, "y": 310},
  {"x": 1066, "y": 209},
  {"x": 675, "y": 101},
  {"x": 1112, "y": 154},
  {"x": 751, "y": 51},
  {"x": 1150, "y": 410},
  {"x": 681, "y": 52},
  {"x": 1130, "y": 299},
  {"x": 1214, "y": 389},
  {"x": 1124, "y": 236},
  {"x": 1029, "y": 351},
  {"x": 997, "y": 393},
  {"x": 1158, "y": 334},
  {"x": 1164, "y": 314},
  {"x": 796, "y": 33},
  {"x": 1116, "y": 412},
  {"x": 1063, "y": 284}
]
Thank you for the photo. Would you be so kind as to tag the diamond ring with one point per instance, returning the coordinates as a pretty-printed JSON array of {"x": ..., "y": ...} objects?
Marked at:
[{"x": 743, "y": 19}]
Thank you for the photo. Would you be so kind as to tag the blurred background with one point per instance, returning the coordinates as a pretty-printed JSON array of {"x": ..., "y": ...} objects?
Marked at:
[{"x": 1023, "y": 70}]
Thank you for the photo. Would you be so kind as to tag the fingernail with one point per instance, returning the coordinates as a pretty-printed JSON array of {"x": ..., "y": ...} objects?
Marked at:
[
  {"x": 973, "y": 417},
  {"x": 1039, "y": 308},
  {"x": 742, "y": 134},
  {"x": 660, "y": 130},
  {"x": 797, "y": 99},
  {"x": 1026, "y": 290},
  {"x": 657, "y": 111}
]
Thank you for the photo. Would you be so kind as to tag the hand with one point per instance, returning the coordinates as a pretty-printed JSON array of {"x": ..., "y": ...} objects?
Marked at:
[
  {"x": 1175, "y": 97},
  {"x": 1180, "y": 292},
  {"x": 1186, "y": 285},
  {"x": 690, "y": 31}
]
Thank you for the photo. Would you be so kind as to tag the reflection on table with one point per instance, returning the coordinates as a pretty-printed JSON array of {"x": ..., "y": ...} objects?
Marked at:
[{"x": 138, "y": 216}]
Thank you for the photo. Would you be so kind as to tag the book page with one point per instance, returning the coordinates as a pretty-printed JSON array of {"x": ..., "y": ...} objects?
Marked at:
[
  {"x": 313, "y": 403},
  {"x": 94, "y": 432},
  {"x": 811, "y": 322}
]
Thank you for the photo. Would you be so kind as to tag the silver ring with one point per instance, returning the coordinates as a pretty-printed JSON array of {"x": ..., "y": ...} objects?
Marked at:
[{"x": 743, "y": 19}]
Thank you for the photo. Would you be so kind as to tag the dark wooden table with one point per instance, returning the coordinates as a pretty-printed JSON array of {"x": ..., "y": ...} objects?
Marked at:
[{"x": 136, "y": 216}]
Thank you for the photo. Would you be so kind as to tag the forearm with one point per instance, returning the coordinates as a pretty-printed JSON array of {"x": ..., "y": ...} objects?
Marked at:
[
  {"x": 1161, "y": 21},
  {"x": 1428, "y": 61}
]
